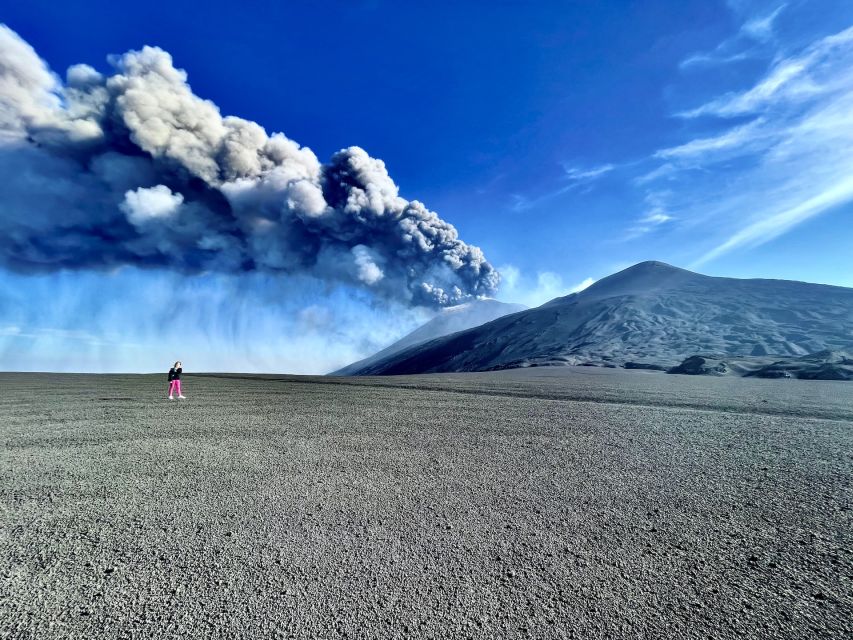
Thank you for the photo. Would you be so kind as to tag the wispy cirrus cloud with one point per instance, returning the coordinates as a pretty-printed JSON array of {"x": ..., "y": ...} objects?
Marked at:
[
  {"x": 747, "y": 183},
  {"x": 790, "y": 80},
  {"x": 735, "y": 138},
  {"x": 577, "y": 174},
  {"x": 654, "y": 217},
  {"x": 750, "y": 40},
  {"x": 574, "y": 178},
  {"x": 761, "y": 27},
  {"x": 765, "y": 229}
]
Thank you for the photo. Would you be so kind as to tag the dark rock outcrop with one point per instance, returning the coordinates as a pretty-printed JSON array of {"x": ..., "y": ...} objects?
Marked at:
[{"x": 701, "y": 366}]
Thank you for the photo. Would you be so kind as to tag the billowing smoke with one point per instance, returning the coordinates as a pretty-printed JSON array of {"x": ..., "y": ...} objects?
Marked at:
[{"x": 135, "y": 169}]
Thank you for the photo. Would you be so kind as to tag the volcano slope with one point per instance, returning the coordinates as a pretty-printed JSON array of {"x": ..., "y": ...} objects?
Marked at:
[
  {"x": 650, "y": 313},
  {"x": 571, "y": 502},
  {"x": 448, "y": 320}
]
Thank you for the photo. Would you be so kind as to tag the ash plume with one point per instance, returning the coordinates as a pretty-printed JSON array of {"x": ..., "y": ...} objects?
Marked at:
[{"x": 133, "y": 168}]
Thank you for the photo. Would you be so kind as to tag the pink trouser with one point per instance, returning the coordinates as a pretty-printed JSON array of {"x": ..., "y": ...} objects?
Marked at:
[{"x": 175, "y": 385}]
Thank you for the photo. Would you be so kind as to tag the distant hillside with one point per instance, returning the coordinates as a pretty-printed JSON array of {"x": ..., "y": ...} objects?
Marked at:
[
  {"x": 649, "y": 313},
  {"x": 449, "y": 320}
]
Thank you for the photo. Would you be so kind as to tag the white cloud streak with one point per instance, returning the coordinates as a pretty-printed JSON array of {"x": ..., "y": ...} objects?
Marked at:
[
  {"x": 761, "y": 27},
  {"x": 793, "y": 79},
  {"x": 766, "y": 229},
  {"x": 576, "y": 177},
  {"x": 752, "y": 182},
  {"x": 576, "y": 174},
  {"x": 748, "y": 42},
  {"x": 733, "y": 138}
]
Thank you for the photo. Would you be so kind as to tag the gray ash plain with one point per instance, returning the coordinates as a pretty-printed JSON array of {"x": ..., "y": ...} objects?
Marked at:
[{"x": 548, "y": 503}]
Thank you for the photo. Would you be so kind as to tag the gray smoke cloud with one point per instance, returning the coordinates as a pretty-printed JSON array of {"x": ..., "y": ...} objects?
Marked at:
[{"x": 133, "y": 168}]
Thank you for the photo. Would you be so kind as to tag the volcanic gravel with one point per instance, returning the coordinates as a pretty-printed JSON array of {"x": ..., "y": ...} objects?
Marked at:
[{"x": 542, "y": 504}]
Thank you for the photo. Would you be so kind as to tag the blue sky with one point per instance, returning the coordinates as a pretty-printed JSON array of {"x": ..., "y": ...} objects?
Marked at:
[{"x": 566, "y": 139}]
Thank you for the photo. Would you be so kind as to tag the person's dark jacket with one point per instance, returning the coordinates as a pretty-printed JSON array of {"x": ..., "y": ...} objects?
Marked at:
[{"x": 175, "y": 374}]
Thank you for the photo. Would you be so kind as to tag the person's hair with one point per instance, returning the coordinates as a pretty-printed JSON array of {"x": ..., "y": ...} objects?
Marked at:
[{"x": 177, "y": 362}]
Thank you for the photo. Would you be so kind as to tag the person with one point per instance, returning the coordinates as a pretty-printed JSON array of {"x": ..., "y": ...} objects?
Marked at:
[{"x": 175, "y": 380}]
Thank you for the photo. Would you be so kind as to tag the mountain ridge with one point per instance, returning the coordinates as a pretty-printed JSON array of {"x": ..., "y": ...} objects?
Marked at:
[{"x": 649, "y": 312}]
